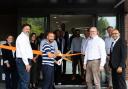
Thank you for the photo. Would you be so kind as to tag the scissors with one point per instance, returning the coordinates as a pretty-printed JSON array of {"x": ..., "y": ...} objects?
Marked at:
[{"x": 63, "y": 57}]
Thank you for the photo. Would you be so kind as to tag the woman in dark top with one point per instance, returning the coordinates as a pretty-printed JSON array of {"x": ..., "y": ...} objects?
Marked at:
[
  {"x": 9, "y": 66},
  {"x": 34, "y": 68}
]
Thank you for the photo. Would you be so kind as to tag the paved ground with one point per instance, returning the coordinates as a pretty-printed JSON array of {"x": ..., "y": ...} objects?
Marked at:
[
  {"x": 66, "y": 81},
  {"x": 59, "y": 86}
]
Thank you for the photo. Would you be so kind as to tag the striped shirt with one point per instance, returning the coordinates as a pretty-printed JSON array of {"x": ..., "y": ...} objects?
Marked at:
[{"x": 45, "y": 59}]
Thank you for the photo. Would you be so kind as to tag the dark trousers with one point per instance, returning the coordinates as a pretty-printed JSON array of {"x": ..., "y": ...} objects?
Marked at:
[
  {"x": 39, "y": 69},
  {"x": 23, "y": 75},
  {"x": 64, "y": 66},
  {"x": 11, "y": 79},
  {"x": 118, "y": 80},
  {"x": 48, "y": 77},
  {"x": 77, "y": 60},
  {"x": 57, "y": 73},
  {"x": 33, "y": 73}
]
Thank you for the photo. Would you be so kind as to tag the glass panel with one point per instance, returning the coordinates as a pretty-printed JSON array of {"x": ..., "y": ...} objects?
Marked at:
[
  {"x": 36, "y": 23},
  {"x": 104, "y": 22}
]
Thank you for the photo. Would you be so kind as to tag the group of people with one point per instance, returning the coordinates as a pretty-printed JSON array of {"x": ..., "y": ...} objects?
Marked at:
[
  {"x": 13, "y": 62},
  {"x": 109, "y": 55},
  {"x": 97, "y": 54}
]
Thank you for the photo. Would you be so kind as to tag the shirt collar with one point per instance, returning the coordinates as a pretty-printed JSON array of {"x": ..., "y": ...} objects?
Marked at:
[
  {"x": 24, "y": 34},
  {"x": 95, "y": 37},
  {"x": 109, "y": 37},
  {"x": 48, "y": 42},
  {"x": 116, "y": 40}
]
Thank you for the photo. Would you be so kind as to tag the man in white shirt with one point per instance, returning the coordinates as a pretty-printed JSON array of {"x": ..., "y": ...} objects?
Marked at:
[
  {"x": 24, "y": 55},
  {"x": 95, "y": 59},
  {"x": 108, "y": 41}
]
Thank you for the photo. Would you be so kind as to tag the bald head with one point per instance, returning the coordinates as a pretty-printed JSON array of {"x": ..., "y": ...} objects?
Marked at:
[
  {"x": 115, "y": 34},
  {"x": 93, "y": 31},
  {"x": 115, "y": 31},
  {"x": 93, "y": 28}
]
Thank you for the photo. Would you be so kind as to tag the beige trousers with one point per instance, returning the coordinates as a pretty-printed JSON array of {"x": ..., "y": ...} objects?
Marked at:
[{"x": 93, "y": 74}]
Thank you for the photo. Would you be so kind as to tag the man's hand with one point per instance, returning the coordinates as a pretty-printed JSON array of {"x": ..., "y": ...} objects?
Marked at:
[
  {"x": 83, "y": 53},
  {"x": 119, "y": 70},
  {"x": 8, "y": 65},
  {"x": 84, "y": 67},
  {"x": 58, "y": 53},
  {"x": 59, "y": 62},
  {"x": 34, "y": 59},
  {"x": 28, "y": 67},
  {"x": 101, "y": 68},
  {"x": 51, "y": 55}
]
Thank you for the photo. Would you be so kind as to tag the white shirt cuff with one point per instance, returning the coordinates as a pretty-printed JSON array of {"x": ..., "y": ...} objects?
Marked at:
[
  {"x": 25, "y": 61},
  {"x": 6, "y": 61}
]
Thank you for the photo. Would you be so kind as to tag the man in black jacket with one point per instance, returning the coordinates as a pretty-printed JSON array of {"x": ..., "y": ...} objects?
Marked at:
[
  {"x": 117, "y": 61},
  {"x": 9, "y": 67}
]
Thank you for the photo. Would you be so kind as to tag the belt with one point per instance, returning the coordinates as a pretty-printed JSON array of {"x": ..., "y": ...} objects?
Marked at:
[
  {"x": 21, "y": 58},
  {"x": 18, "y": 58},
  {"x": 76, "y": 51},
  {"x": 29, "y": 60},
  {"x": 94, "y": 59}
]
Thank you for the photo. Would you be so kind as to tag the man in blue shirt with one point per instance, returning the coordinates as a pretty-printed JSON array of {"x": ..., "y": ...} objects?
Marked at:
[{"x": 48, "y": 60}]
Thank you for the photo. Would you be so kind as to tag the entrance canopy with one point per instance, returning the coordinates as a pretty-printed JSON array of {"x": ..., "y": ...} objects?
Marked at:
[{"x": 59, "y": 6}]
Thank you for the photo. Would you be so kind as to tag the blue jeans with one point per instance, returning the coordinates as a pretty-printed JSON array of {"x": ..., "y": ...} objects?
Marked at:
[
  {"x": 48, "y": 77},
  {"x": 23, "y": 74}
]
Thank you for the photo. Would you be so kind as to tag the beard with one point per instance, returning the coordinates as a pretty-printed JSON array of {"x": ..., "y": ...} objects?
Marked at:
[
  {"x": 51, "y": 40},
  {"x": 115, "y": 38},
  {"x": 27, "y": 33}
]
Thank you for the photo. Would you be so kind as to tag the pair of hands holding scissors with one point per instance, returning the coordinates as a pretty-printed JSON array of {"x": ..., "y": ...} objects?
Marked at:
[{"x": 57, "y": 54}]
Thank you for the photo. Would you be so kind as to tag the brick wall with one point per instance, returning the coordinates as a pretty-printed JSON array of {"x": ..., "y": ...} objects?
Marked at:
[
  {"x": 126, "y": 6},
  {"x": 126, "y": 32}
]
